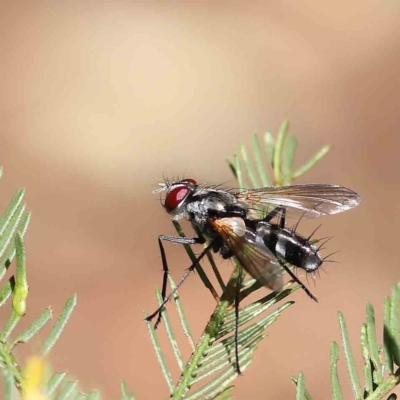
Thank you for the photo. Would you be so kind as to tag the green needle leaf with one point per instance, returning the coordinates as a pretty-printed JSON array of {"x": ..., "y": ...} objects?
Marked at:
[
  {"x": 249, "y": 169},
  {"x": 170, "y": 334},
  {"x": 8, "y": 385},
  {"x": 300, "y": 387},
  {"x": 335, "y": 383},
  {"x": 270, "y": 147},
  {"x": 7, "y": 239},
  {"x": 34, "y": 328},
  {"x": 6, "y": 291},
  {"x": 289, "y": 151},
  {"x": 95, "y": 395},
  {"x": 280, "y": 140},
  {"x": 306, "y": 394},
  {"x": 160, "y": 356},
  {"x": 239, "y": 172},
  {"x": 68, "y": 389},
  {"x": 387, "y": 338},
  {"x": 125, "y": 394},
  {"x": 372, "y": 343},
  {"x": 10, "y": 325},
  {"x": 54, "y": 383},
  {"x": 355, "y": 383},
  {"x": 21, "y": 285},
  {"x": 9, "y": 253},
  {"x": 59, "y": 326},
  {"x": 232, "y": 168},
  {"x": 224, "y": 395},
  {"x": 258, "y": 156},
  {"x": 12, "y": 209},
  {"x": 8, "y": 362},
  {"x": 309, "y": 164},
  {"x": 368, "y": 377},
  {"x": 394, "y": 324},
  {"x": 214, "y": 387},
  {"x": 182, "y": 316}
]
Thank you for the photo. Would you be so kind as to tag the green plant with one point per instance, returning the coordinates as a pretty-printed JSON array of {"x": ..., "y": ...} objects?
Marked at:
[
  {"x": 210, "y": 370},
  {"x": 380, "y": 374},
  {"x": 34, "y": 381}
]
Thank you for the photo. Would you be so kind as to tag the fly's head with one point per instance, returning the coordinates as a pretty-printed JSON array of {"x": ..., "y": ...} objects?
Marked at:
[{"x": 177, "y": 197}]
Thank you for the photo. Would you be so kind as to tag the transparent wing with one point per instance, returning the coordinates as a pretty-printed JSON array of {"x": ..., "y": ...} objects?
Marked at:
[
  {"x": 252, "y": 254},
  {"x": 308, "y": 201}
]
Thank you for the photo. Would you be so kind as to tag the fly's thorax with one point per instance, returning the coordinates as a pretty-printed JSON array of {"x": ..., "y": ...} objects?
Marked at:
[{"x": 207, "y": 203}]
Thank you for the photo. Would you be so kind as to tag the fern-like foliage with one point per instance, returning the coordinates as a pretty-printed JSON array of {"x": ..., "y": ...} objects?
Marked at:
[
  {"x": 381, "y": 371},
  {"x": 32, "y": 381},
  {"x": 211, "y": 369}
]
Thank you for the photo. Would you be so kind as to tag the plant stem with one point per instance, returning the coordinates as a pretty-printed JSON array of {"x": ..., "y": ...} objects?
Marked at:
[
  {"x": 385, "y": 388},
  {"x": 209, "y": 333}
]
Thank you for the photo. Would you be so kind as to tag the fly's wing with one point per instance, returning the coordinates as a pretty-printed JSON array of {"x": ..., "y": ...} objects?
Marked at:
[
  {"x": 308, "y": 201},
  {"x": 252, "y": 254}
]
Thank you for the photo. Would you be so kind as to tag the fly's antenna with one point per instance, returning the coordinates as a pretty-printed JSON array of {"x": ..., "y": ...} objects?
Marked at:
[{"x": 163, "y": 186}]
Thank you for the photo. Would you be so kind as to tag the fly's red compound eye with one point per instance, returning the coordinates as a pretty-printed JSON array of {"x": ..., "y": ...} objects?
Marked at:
[
  {"x": 190, "y": 181},
  {"x": 175, "y": 196}
]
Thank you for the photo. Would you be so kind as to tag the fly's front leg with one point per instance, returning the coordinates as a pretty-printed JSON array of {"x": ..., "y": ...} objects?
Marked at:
[{"x": 176, "y": 240}]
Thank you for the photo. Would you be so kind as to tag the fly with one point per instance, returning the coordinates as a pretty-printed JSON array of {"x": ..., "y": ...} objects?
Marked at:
[{"x": 236, "y": 222}]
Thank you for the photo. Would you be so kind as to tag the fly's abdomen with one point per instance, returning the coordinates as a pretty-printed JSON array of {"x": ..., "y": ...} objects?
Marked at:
[{"x": 290, "y": 247}]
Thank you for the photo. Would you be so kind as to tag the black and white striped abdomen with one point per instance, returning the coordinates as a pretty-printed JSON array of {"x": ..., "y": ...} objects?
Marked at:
[{"x": 289, "y": 246}]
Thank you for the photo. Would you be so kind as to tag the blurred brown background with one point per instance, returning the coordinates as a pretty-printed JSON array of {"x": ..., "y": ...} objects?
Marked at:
[{"x": 100, "y": 99}]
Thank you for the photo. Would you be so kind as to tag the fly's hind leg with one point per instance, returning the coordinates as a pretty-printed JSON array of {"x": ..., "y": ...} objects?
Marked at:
[
  {"x": 276, "y": 212},
  {"x": 296, "y": 279}
]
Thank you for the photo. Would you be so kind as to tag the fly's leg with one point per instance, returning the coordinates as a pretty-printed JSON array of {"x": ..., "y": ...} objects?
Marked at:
[
  {"x": 283, "y": 219},
  {"x": 237, "y": 300},
  {"x": 176, "y": 240},
  {"x": 277, "y": 211},
  {"x": 296, "y": 279},
  {"x": 272, "y": 214}
]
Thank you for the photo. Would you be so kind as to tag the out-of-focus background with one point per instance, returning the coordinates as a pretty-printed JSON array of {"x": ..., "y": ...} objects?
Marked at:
[{"x": 99, "y": 99}]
